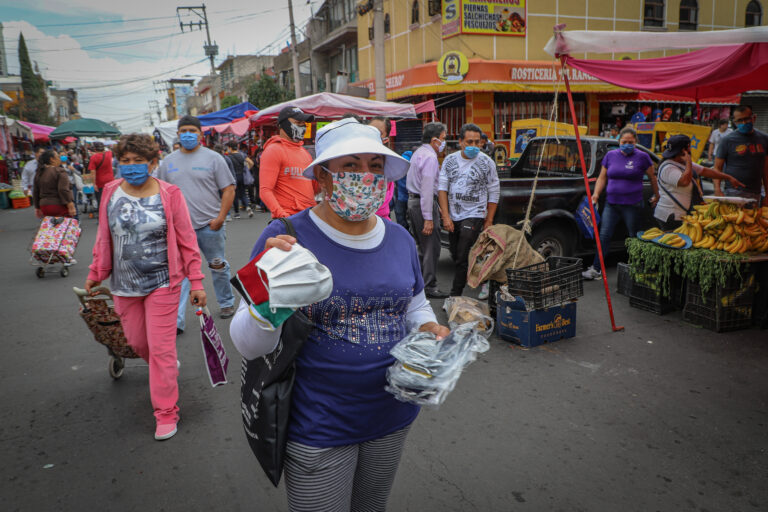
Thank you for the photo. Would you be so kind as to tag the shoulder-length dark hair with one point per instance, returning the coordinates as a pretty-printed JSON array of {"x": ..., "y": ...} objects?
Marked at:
[{"x": 46, "y": 157}]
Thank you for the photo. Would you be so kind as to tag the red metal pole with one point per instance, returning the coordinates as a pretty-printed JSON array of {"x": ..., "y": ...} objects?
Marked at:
[{"x": 586, "y": 186}]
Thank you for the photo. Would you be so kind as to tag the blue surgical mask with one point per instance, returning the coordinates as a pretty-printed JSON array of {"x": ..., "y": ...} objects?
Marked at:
[
  {"x": 188, "y": 140},
  {"x": 64, "y": 158},
  {"x": 135, "y": 174},
  {"x": 471, "y": 151},
  {"x": 745, "y": 128},
  {"x": 627, "y": 149}
]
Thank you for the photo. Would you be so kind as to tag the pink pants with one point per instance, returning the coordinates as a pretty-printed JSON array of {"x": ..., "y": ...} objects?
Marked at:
[{"x": 149, "y": 324}]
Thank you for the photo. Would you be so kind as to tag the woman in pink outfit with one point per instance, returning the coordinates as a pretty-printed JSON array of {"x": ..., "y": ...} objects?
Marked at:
[
  {"x": 384, "y": 125},
  {"x": 146, "y": 244}
]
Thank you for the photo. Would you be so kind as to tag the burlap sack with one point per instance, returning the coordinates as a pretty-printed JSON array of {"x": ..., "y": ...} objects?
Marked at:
[{"x": 494, "y": 252}]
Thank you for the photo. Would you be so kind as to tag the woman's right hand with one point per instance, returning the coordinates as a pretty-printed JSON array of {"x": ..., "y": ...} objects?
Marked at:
[
  {"x": 90, "y": 285},
  {"x": 38, "y": 213},
  {"x": 282, "y": 242},
  {"x": 595, "y": 198}
]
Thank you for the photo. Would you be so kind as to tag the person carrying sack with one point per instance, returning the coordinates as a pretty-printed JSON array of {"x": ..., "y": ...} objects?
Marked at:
[
  {"x": 346, "y": 432},
  {"x": 679, "y": 183}
]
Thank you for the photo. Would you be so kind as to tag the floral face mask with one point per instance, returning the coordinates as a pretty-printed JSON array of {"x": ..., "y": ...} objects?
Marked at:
[{"x": 356, "y": 195}]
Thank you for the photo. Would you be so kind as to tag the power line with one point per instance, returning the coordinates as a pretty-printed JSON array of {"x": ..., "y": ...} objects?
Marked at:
[{"x": 143, "y": 78}]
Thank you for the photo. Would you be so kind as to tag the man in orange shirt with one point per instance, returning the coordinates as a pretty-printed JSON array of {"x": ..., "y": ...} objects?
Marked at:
[
  {"x": 101, "y": 165},
  {"x": 282, "y": 185}
]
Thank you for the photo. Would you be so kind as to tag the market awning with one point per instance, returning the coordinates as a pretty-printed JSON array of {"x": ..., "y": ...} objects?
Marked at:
[
  {"x": 425, "y": 107},
  {"x": 85, "y": 127},
  {"x": 17, "y": 128},
  {"x": 226, "y": 115},
  {"x": 716, "y": 71},
  {"x": 330, "y": 105},
  {"x": 238, "y": 127},
  {"x": 40, "y": 132},
  {"x": 655, "y": 97},
  {"x": 4, "y": 97}
]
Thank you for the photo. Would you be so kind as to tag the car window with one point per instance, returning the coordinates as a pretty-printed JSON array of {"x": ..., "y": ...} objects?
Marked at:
[{"x": 556, "y": 157}]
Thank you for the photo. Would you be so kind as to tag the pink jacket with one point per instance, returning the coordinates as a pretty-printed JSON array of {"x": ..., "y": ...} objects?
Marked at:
[{"x": 183, "y": 252}]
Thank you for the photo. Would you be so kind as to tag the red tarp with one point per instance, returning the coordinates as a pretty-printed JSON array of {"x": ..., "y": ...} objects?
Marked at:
[
  {"x": 40, "y": 131},
  {"x": 711, "y": 72},
  {"x": 238, "y": 127},
  {"x": 656, "y": 97}
]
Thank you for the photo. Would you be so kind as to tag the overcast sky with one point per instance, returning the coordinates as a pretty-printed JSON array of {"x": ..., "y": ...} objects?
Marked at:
[{"x": 111, "y": 51}]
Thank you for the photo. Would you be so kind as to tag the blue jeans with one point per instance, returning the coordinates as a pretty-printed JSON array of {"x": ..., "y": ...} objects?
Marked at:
[
  {"x": 630, "y": 214},
  {"x": 212, "y": 244},
  {"x": 401, "y": 213}
]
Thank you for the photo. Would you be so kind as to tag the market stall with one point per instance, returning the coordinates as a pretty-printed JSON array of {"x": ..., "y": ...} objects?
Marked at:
[
  {"x": 227, "y": 115},
  {"x": 40, "y": 132},
  {"x": 84, "y": 127},
  {"x": 731, "y": 62}
]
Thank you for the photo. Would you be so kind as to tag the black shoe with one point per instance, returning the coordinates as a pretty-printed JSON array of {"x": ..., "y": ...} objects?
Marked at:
[
  {"x": 179, "y": 330},
  {"x": 436, "y": 294}
]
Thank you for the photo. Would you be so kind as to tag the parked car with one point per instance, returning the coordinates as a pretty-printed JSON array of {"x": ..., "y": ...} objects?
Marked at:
[{"x": 559, "y": 190}]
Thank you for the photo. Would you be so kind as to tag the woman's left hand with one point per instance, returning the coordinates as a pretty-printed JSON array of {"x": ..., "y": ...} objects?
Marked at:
[
  {"x": 197, "y": 298},
  {"x": 440, "y": 331},
  {"x": 654, "y": 199}
]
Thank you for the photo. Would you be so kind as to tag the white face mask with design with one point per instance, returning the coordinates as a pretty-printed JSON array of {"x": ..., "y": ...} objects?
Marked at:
[{"x": 295, "y": 278}]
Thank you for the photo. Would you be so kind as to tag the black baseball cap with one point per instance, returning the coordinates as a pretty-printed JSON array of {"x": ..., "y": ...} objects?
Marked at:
[
  {"x": 675, "y": 144},
  {"x": 295, "y": 113}
]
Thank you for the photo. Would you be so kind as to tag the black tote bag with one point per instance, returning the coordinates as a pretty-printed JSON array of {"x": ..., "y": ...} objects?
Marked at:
[{"x": 265, "y": 393}]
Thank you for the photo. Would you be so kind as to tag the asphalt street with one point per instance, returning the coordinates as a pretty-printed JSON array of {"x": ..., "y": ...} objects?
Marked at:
[{"x": 664, "y": 416}]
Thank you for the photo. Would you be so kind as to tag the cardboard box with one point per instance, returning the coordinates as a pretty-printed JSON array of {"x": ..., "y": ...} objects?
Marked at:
[{"x": 533, "y": 328}]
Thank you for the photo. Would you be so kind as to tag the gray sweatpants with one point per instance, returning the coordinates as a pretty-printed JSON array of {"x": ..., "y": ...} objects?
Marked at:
[{"x": 429, "y": 245}]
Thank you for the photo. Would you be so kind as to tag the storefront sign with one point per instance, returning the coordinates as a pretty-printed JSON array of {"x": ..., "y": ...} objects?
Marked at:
[
  {"x": 452, "y": 67},
  {"x": 538, "y": 74},
  {"x": 489, "y": 17}
]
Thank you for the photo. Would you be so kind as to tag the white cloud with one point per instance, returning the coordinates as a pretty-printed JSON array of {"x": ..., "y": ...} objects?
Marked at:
[{"x": 79, "y": 62}]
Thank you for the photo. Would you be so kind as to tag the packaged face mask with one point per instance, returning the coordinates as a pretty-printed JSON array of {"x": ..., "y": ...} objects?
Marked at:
[{"x": 294, "y": 278}]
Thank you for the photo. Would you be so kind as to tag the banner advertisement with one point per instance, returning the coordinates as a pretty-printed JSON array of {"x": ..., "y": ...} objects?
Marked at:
[{"x": 488, "y": 17}]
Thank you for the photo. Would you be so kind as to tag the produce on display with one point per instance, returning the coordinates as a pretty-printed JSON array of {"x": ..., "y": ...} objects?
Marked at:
[{"x": 727, "y": 227}]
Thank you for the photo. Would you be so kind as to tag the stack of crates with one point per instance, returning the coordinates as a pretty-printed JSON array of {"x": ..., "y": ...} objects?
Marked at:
[
  {"x": 646, "y": 293},
  {"x": 721, "y": 309},
  {"x": 543, "y": 308}
]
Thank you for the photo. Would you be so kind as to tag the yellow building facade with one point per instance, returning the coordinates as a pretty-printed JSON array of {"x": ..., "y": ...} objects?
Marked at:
[{"x": 509, "y": 75}]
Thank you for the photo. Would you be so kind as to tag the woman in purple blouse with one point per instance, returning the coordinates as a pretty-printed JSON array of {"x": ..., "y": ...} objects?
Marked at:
[{"x": 621, "y": 178}]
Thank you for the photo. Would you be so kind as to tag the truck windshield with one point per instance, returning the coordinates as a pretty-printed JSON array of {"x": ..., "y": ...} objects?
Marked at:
[{"x": 555, "y": 157}]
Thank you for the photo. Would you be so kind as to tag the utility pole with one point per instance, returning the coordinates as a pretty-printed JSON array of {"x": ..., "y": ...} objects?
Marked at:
[
  {"x": 211, "y": 49},
  {"x": 379, "y": 58},
  {"x": 155, "y": 106},
  {"x": 294, "y": 53}
]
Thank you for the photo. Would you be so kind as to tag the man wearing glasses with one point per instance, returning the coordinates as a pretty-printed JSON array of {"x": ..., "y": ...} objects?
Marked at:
[{"x": 741, "y": 154}]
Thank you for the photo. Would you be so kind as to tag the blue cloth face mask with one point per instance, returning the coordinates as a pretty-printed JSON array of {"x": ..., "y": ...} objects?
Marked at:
[
  {"x": 135, "y": 174},
  {"x": 745, "y": 128},
  {"x": 471, "y": 151},
  {"x": 188, "y": 140},
  {"x": 627, "y": 149},
  {"x": 64, "y": 158}
]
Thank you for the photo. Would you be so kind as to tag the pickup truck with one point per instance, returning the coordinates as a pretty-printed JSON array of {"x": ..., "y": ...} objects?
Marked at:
[{"x": 559, "y": 190}]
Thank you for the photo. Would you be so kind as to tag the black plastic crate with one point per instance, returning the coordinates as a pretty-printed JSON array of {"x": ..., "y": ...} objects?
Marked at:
[
  {"x": 494, "y": 287},
  {"x": 551, "y": 283},
  {"x": 623, "y": 280},
  {"x": 646, "y": 293},
  {"x": 722, "y": 309}
]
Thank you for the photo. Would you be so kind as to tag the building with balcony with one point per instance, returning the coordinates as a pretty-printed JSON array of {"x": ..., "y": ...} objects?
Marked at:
[
  {"x": 283, "y": 67},
  {"x": 333, "y": 33},
  {"x": 237, "y": 72},
  {"x": 65, "y": 107}
]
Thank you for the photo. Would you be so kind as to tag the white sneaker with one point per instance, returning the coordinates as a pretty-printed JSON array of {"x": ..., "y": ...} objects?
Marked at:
[
  {"x": 591, "y": 273},
  {"x": 484, "y": 291},
  {"x": 250, "y": 211}
]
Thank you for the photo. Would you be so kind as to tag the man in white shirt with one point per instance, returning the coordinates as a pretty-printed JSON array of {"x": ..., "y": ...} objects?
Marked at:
[
  {"x": 28, "y": 173},
  {"x": 468, "y": 194},
  {"x": 716, "y": 136}
]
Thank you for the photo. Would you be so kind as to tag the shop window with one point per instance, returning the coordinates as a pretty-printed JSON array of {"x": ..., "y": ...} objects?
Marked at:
[
  {"x": 754, "y": 14},
  {"x": 386, "y": 23},
  {"x": 415, "y": 13},
  {"x": 689, "y": 14},
  {"x": 434, "y": 7},
  {"x": 653, "y": 13}
]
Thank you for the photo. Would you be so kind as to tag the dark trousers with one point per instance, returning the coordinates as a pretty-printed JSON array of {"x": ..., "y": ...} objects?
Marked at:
[
  {"x": 401, "y": 213},
  {"x": 241, "y": 196},
  {"x": 668, "y": 225},
  {"x": 760, "y": 304},
  {"x": 463, "y": 237},
  {"x": 630, "y": 214},
  {"x": 429, "y": 245}
]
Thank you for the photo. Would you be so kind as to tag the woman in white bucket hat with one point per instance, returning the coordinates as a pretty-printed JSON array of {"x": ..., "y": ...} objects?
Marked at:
[{"x": 347, "y": 432}]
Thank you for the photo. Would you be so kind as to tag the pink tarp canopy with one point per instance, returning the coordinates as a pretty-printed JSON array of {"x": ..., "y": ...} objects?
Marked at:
[
  {"x": 711, "y": 72},
  {"x": 330, "y": 105},
  {"x": 237, "y": 127},
  {"x": 39, "y": 131}
]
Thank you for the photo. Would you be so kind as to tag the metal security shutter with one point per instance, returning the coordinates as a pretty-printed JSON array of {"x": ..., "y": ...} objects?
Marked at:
[
  {"x": 759, "y": 104},
  {"x": 408, "y": 135}
]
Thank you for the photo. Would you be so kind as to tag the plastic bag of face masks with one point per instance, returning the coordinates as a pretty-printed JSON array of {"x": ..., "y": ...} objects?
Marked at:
[
  {"x": 427, "y": 369},
  {"x": 462, "y": 310}
]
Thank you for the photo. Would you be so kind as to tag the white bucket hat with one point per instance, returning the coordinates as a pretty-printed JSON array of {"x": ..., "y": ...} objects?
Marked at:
[{"x": 348, "y": 137}]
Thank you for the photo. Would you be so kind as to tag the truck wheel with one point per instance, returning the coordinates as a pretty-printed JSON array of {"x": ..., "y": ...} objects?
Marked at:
[{"x": 551, "y": 241}]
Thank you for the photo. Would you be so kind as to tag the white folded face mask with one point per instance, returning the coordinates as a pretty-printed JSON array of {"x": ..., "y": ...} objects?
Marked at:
[{"x": 295, "y": 277}]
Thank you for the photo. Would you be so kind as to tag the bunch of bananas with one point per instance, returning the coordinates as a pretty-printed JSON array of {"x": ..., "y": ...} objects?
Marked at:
[
  {"x": 672, "y": 240},
  {"x": 652, "y": 233},
  {"x": 727, "y": 227}
]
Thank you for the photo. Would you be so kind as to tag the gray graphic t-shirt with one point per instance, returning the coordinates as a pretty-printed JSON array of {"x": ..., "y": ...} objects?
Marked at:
[
  {"x": 139, "y": 244},
  {"x": 471, "y": 185}
]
